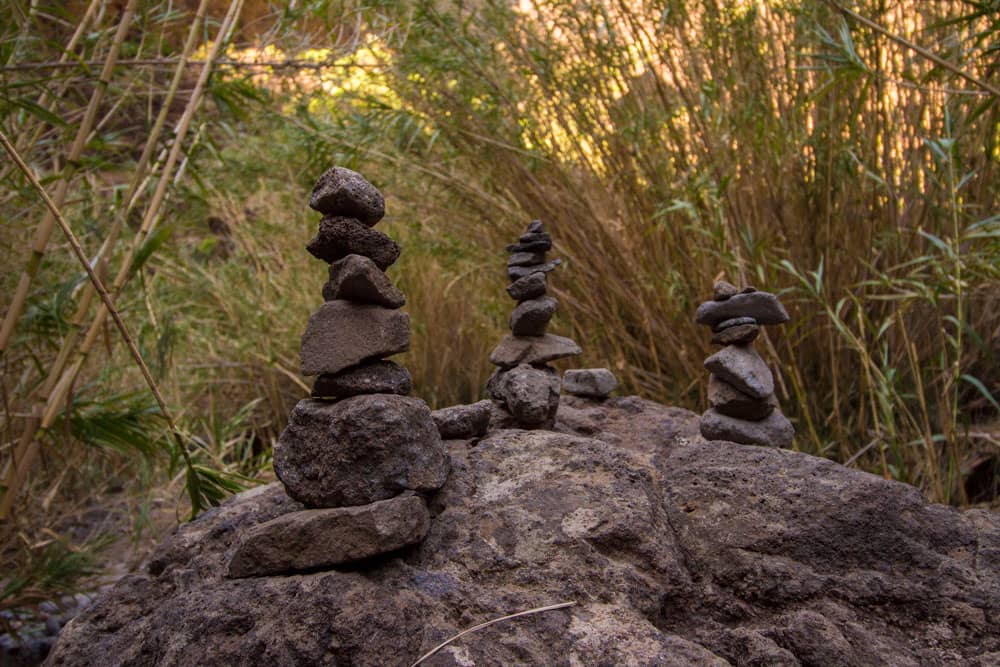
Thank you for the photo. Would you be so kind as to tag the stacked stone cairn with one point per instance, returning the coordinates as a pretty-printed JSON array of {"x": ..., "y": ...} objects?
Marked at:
[
  {"x": 741, "y": 386},
  {"x": 525, "y": 389},
  {"x": 360, "y": 450}
]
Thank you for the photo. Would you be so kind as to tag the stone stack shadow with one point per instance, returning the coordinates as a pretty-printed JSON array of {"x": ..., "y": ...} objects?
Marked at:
[
  {"x": 524, "y": 388},
  {"x": 741, "y": 386},
  {"x": 360, "y": 449}
]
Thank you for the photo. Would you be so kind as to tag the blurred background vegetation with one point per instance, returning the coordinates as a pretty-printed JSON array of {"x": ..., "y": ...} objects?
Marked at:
[{"x": 786, "y": 144}]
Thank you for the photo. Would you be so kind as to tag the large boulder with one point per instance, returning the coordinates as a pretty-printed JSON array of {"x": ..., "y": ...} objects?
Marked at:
[
  {"x": 675, "y": 551},
  {"x": 359, "y": 450}
]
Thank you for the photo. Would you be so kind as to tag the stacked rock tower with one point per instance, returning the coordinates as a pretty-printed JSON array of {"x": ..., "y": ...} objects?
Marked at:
[
  {"x": 524, "y": 387},
  {"x": 360, "y": 449},
  {"x": 741, "y": 386}
]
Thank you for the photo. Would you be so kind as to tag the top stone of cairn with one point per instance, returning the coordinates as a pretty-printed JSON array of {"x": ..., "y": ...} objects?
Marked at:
[{"x": 342, "y": 192}]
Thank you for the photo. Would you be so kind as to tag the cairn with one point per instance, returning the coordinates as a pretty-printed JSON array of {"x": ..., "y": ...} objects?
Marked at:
[
  {"x": 524, "y": 388},
  {"x": 360, "y": 449},
  {"x": 741, "y": 386}
]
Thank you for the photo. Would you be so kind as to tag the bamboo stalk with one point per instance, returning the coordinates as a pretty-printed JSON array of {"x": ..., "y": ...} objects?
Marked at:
[
  {"x": 21, "y": 469},
  {"x": 44, "y": 229}
]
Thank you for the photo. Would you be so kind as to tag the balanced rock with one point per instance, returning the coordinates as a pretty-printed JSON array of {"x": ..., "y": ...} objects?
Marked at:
[
  {"x": 321, "y": 538},
  {"x": 339, "y": 237},
  {"x": 340, "y": 191},
  {"x": 526, "y": 259},
  {"x": 735, "y": 322},
  {"x": 730, "y": 401},
  {"x": 764, "y": 307},
  {"x": 531, "y": 394},
  {"x": 514, "y": 350},
  {"x": 531, "y": 243},
  {"x": 589, "y": 382},
  {"x": 515, "y": 272},
  {"x": 531, "y": 317},
  {"x": 358, "y": 279},
  {"x": 739, "y": 335},
  {"x": 773, "y": 431},
  {"x": 723, "y": 290},
  {"x": 342, "y": 334},
  {"x": 527, "y": 287},
  {"x": 377, "y": 377},
  {"x": 461, "y": 422},
  {"x": 743, "y": 368},
  {"x": 359, "y": 450}
]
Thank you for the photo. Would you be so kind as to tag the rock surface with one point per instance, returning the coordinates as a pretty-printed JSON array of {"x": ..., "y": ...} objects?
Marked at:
[
  {"x": 359, "y": 450},
  {"x": 530, "y": 286},
  {"x": 530, "y": 394},
  {"x": 741, "y": 334},
  {"x": 339, "y": 237},
  {"x": 358, "y": 279},
  {"x": 732, "y": 402},
  {"x": 518, "y": 272},
  {"x": 762, "y": 306},
  {"x": 675, "y": 551},
  {"x": 377, "y": 377},
  {"x": 531, "y": 317},
  {"x": 591, "y": 382},
  {"x": 463, "y": 421},
  {"x": 341, "y": 191},
  {"x": 342, "y": 334},
  {"x": 773, "y": 431},
  {"x": 313, "y": 539},
  {"x": 514, "y": 350},
  {"x": 743, "y": 368}
]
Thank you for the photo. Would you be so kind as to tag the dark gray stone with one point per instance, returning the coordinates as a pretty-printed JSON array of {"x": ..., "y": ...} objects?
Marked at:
[
  {"x": 342, "y": 334},
  {"x": 342, "y": 192},
  {"x": 516, "y": 272},
  {"x": 535, "y": 227},
  {"x": 531, "y": 317},
  {"x": 542, "y": 244},
  {"x": 530, "y": 286},
  {"x": 463, "y": 421},
  {"x": 743, "y": 334},
  {"x": 526, "y": 259},
  {"x": 339, "y": 237},
  {"x": 358, "y": 279},
  {"x": 591, "y": 382},
  {"x": 359, "y": 450},
  {"x": 730, "y": 401},
  {"x": 514, "y": 350},
  {"x": 321, "y": 538},
  {"x": 773, "y": 431},
  {"x": 735, "y": 322},
  {"x": 377, "y": 377},
  {"x": 723, "y": 290},
  {"x": 762, "y": 306},
  {"x": 742, "y": 367},
  {"x": 530, "y": 394}
]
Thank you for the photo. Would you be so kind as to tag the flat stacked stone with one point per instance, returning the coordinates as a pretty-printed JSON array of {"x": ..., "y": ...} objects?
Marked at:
[
  {"x": 741, "y": 386},
  {"x": 524, "y": 387},
  {"x": 360, "y": 450}
]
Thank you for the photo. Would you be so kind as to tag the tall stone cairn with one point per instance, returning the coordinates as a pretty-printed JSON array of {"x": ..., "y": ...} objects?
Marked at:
[
  {"x": 524, "y": 388},
  {"x": 743, "y": 407},
  {"x": 360, "y": 450}
]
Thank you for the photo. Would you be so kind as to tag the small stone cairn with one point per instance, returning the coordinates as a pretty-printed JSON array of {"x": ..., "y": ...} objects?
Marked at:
[
  {"x": 525, "y": 389},
  {"x": 741, "y": 386},
  {"x": 359, "y": 450}
]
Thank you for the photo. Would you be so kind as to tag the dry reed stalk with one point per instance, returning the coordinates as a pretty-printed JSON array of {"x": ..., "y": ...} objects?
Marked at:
[
  {"x": 44, "y": 230},
  {"x": 20, "y": 468}
]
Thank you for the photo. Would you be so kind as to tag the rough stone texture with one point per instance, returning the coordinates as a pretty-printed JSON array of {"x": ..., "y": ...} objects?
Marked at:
[
  {"x": 732, "y": 402},
  {"x": 340, "y": 191},
  {"x": 526, "y": 259},
  {"x": 358, "y": 279},
  {"x": 676, "y": 552},
  {"x": 742, "y": 367},
  {"x": 762, "y": 306},
  {"x": 514, "y": 350},
  {"x": 742, "y": 334},
  {"x": 463, "y": 421},
  {"x": 342, "y": 334},
  {"x": 531, "y": 317},
  {"x": 539, "y": 243},
  {"x": 773, "y": 431},
  {"x": 530, "y": 286},
  {"x": 313, "y": 539},
  {"x": 359, "y": 450},
  {"x": 339, "y": 237},
  {"x": 592, "y": 382},
  {"x": 735, "y": 322},
  {"x": 723, "y": 290},
  {"x": 530, "y": 394},
  {"x": 378, "y": 377},
  {"x": 517, "y": 272}
]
